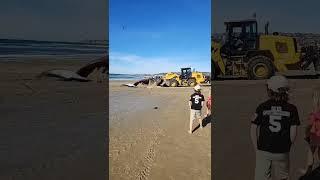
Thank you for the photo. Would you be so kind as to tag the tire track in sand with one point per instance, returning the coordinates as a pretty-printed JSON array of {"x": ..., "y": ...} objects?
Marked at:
[
  {"x": 145, "y": 163},
  {"x": 124, "y": 144},
  {"x": 149, "y": 157}
]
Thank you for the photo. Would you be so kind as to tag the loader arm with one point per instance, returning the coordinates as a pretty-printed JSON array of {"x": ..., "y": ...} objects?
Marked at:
[{"x": 216, "y": 57}]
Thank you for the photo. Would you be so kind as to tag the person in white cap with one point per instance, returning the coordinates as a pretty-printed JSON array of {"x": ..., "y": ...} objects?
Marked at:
[
  {"x": 273, "y": 130},
  {"x": 195, "y": 103}
]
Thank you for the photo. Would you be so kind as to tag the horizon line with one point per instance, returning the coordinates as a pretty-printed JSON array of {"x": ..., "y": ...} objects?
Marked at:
[{"x": 86, "y": 41}]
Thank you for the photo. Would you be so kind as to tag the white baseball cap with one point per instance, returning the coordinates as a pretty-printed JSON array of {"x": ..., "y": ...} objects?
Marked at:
[
  {"x": 197, "y": 87},
  {"x": 276, "y": 82}
]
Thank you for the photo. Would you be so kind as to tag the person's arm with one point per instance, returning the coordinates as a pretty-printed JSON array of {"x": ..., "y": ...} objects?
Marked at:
[
  {"x": 190, "y": 103},
  {"x": 254, "y": 130},
  {"x": 307, "y": 131},
  {"x": 309, "y": 126},
  {"x": 295, "y": 122},
  {"x": 293, "y": 133},
  {"x": 254, "y": 135},
  {"x": 202, "y": 102}
]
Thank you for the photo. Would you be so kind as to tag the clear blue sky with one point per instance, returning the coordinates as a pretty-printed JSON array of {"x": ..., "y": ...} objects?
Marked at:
[
  {"x": 284, "y": 16},
  {"x": 158, "y": 36},
  {"x": 54, "y": 20}
]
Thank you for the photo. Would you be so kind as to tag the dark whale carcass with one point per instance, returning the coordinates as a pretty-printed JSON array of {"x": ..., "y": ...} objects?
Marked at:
[
  {"x": 63, "y": 74},
  {"x": 96, "y": 64},
  {"x": 82, "y": 74}
]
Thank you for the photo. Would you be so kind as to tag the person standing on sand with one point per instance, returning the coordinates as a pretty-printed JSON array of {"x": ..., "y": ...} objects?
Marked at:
[
  {"x": 313, "y": 132},
  {"x": 274, "y": 130},
  {"x": 195, "y": 103}
]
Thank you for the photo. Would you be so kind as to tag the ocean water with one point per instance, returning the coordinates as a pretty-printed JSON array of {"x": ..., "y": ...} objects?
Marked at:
[
  {"x": 127, "y": 76},
  {"x": 13, "y": 49}
]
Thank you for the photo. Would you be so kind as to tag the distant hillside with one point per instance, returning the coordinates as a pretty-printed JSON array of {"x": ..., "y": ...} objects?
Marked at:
[
  {"x": 97, "y": 42},
  {"x": 303, "y": 39},
  {"x": 205, "y": 73}
]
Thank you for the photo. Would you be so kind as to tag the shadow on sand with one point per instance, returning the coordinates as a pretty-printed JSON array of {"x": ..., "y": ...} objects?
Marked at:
[{"x": 205, "y": 121}]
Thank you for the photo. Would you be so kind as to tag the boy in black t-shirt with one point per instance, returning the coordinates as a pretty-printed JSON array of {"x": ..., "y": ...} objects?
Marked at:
[
  {"x": 273, "y": 130},
  {"x": 195, "y": 103}
]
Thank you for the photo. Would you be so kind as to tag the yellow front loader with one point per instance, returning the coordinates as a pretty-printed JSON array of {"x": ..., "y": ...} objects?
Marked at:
[
  {"x": 246, "y": 53},
  {"x": 186, "y": 78}
]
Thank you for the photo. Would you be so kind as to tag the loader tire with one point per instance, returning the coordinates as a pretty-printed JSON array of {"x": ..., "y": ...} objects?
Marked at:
[
  {"x": 192, "y": 82},
  {"x": 260, "y": 67},
  {"x": 174, "y": 83},
  {"x": 167, "y": 83},
  {"x": 316, "y": 64},
  {"x": 184, "y": 83}
]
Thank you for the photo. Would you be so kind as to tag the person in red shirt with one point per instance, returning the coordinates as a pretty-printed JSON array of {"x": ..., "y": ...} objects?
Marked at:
[{"x": 313, "y": 131}]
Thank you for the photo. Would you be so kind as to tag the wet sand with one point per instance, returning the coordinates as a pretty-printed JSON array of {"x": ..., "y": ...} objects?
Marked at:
[
  {"x": 235, "y": 102},
  {"x": 149, "y": 143},
  {"x": 50, "y": 129}
]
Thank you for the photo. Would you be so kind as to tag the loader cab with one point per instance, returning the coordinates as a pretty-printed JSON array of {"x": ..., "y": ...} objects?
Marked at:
[
  {"x": 186, "y": 73},
  {"x": 240, "y": 37}
]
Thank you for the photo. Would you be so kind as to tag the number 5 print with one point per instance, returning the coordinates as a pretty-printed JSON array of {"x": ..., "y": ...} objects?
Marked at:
[
  {"x": 196, "y": 100},
  {"x": 275, "y": 125}
]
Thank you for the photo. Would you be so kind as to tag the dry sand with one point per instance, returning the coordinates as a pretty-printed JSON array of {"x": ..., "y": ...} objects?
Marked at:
[
  {"x": 234, "y": 104},
  {"x": 50, "y": 129},
  {"x": 53, "y": 129},
  {"x": 147, "y": 143}
]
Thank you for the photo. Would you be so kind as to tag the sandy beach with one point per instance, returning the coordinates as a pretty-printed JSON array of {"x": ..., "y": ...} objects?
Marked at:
[
  {"x": 50, "y": 129},
  {"x": 235, "y": 102},
  {"x": 148, "y": 135}
]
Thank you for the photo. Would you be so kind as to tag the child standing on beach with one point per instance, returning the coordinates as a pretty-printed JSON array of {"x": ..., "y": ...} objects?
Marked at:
[
  {"x": 195, "y": 103},
  {"x": 273, "y": 130},
  {"x": 313, "y": 131}
]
